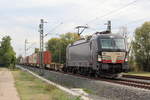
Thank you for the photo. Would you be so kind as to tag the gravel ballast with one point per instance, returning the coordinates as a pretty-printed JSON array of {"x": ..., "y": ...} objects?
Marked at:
[{"x": 96, "y": 88}]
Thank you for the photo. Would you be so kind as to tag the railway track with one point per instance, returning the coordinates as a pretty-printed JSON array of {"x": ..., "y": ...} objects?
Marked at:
[
  {"x": 132, "y": 83},
  {"x": 126, "y": 82}
]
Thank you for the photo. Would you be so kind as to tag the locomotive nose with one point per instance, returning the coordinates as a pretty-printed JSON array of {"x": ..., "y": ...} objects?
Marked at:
[{"x": 113, "y": 57}]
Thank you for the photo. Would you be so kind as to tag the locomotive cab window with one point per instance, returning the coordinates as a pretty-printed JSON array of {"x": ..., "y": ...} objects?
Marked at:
[
  {"x": 112, "y": 43},
  {"x": 119, "y": 43},
  {"x": 106, "y": 44}
]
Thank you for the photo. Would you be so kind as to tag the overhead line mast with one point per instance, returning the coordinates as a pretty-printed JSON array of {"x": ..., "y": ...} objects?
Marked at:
[
  {"x": 42, "y": 35},
  {"x": 25, "y": 47},
  {"x": 41, "y": 30}
]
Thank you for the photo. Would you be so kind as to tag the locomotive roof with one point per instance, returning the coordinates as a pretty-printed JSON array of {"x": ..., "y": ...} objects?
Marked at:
[
  {"x": 110, "y": 36},
  {"x": 99, "y": 36}
]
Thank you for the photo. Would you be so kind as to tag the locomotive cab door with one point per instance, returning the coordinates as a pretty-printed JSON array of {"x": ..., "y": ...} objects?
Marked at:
[{"x": 93, "y": 54}]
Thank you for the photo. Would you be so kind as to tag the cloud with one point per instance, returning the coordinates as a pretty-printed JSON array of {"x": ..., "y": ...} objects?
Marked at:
[{"x": 20, "y": 18}]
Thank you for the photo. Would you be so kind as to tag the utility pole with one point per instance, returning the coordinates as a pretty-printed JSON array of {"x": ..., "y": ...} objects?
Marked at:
[
  {"x": 59, "y": 53},
  {"x": 25, "y": 47},
  {"x": 81, "y": 29},
  {"x": 41, "y": 30},
  {"x": 123, "y": 31}
]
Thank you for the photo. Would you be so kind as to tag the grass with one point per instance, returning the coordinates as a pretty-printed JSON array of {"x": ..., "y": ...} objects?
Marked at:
[
  {"x": 139, "y": 73},
  {"x": 87, "y": 90},
  {"x": 31, "y": 88}
]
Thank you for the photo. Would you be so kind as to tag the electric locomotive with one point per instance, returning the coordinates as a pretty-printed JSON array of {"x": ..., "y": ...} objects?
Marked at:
[{"x": 103, "y": 54}]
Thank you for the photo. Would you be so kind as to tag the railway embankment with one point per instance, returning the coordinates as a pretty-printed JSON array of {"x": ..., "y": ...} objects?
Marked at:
[
  {"x": 32, "y": 88},
  {"x": 96, "y": 88}
]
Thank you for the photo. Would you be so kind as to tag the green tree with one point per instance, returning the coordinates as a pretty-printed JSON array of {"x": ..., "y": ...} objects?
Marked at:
[
  {"x": 36, "y": 50},
  {"x": 53, "y": 45},
  {"x": 66, "y": 39},
  {"x": 141, "y": 47},
  {"x": 18, "y": 59},
  {"x": 7, "y": 54},
  {"x": 57, "y": 46}
]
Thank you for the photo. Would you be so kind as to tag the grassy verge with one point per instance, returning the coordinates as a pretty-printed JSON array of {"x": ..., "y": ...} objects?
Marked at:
[
  {"x": 31, "y": 88},
  {"x": 87, "y": 90},
  {"x": 139, "y": 73}
]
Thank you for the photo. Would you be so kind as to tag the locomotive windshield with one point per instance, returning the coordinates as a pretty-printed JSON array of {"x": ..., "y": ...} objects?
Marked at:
[
  {"x": 106, "y": 44},
  {"x": 112, "y": 43}
]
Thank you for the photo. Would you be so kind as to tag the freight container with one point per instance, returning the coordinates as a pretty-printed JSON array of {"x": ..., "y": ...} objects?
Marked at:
[
  {"x": 47, "y": 58},
  {"x": 34, "y": 58},
  {"x": 27, "y": 59},
  {"x": 30, "y": 60}
]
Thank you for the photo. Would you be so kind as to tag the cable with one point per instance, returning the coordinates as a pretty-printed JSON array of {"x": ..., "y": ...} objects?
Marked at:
[
  {"x": 114, "y": 11},
  {"x": 54, "y": 28},
  {"x": 135, "y": 21},
  {"x": 31, "y": 46},
  {"x": 131, "y": 22}
]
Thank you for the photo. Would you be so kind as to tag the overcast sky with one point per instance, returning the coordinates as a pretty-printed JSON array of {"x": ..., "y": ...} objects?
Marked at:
[{"x": 20, "y": 18}]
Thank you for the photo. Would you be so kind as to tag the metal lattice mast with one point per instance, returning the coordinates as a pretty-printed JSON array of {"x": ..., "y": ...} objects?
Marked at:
[
  {"x": 25, "y": 47},
  {"x": 41, "y": 26}
]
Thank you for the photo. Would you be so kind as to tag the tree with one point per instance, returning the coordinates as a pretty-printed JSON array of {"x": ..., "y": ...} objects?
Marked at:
[
  {"x": 18, "y": 59},
  {"x": 67, "y": 39},
  {"x": 57, "y": 46},
  {"x": 36, "y": 50},
  {"x": 141, "y": 46},
  {"x": 53, "y": 46},
  {"x": 7, "y": 54}
]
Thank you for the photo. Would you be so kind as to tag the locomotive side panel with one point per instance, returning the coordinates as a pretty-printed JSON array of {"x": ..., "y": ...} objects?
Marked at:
[{"x": 79, "y": 55}]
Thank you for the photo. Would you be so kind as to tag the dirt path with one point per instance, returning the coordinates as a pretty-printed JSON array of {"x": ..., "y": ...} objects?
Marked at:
[{"x": 7, "y": 88}]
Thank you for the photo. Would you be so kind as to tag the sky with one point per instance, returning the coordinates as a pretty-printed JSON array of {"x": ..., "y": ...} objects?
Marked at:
[{"x": 20, "y": 18}]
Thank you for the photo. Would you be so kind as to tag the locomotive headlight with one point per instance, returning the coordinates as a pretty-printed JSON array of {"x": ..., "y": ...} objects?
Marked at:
[
  {"x": 99, "y": 58},
  {"x": 126, "y": 59}
]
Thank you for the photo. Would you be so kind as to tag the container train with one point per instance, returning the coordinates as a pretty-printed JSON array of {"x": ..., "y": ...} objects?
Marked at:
[
  {"x": 101, "y": 54},
  {"x": 34, "y": 61}
]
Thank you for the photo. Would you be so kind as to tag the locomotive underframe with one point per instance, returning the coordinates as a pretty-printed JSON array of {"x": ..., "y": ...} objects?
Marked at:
[
  {"x": 101, "y": 70},
  {"x": 113, "y": 68}
]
